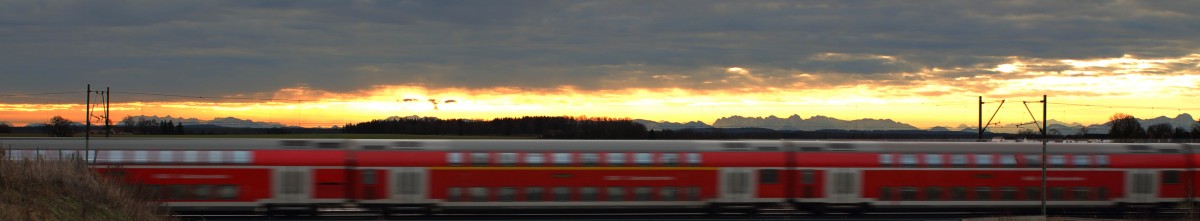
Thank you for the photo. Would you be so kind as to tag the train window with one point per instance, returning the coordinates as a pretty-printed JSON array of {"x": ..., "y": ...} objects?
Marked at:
[
  {"x": 589, "y": 159},
  {"x": 1057, "y": 160},
  {"x": 1008, "y": 193},
  {"x": 241, "y": 157},
  {"x": 479, "y": 159},
  {"x": 227, "y": 192},
  {"x": 1008, "y": 160},
  {"x": 562, "y": 194},
  {"x": 178, "y": 192},
  {"x": 164, "y": 156},
  {"x": 1057, "y": 193},
  {"x": 454, "y": 194},
  {"x": 1082, "y": 160},
  {"x": 933, "y": 159},
  {"x": 214, "y": 156},
  {"x": 693, "y": 158},
  {"x": 534, "y": 194},
  {"x": 908, "y": 160},
  {"x": 768, "y": 176},
  {"x": 1033, "y": 193},
  {"x": 616, "y": 159},
  {"x": 1170, "y": 177},
  {"x": 535, "y": 159},
  {"x": 506, "y": 194},
  {"x": 1033, "y": 160},
  {"x": 642, "y": 193},
  {"x": 643, "y": 158},
  {"x": 562, "y": 158},
  {"x": 668, "y": 159},
  {"x": 368, "y": 177},
  {"x": 983, "y": 193},
  {"x": 886, "y": 159},
  {"x": 506, "y": 159},
  {"x": 908, "y": 193},
  {"x": 1081, "y": 193},
  {"x": 478, "y": 194},
  {"x": 668, "y": 193},
  {"x": 329, "y": 145},
  {"x": 1102, "y": 160},
  {"x": 454, "y": 159},
  {"x": 202, "y": 192},
  {"x": 616, "y": 193},
  {"x": 114, "y": 156},
  {"x": 141, "y": 156},
  {"x": 588, "y": 193},
  {"x": 807, "y": 177},
  {"x": 958, "y": 193},
  {"x": 191, "y": 156},
  {"x": 983, "y": 160},
  {"x": 958, "y": 160},
  {"x": 885, "y": 193},
  {"x": 1101, "y": 193},
  {"x": 692, "y": 193},
  {"x": 933, "y": 193},
  {"x": 156, "y": 191}
]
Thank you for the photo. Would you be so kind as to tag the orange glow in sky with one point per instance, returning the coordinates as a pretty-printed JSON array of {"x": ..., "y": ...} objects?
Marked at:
[{"x": 1124, "y": 81}]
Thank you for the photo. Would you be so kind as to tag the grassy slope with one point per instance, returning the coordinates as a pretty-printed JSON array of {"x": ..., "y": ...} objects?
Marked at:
[{"x": 63, "y": 190}]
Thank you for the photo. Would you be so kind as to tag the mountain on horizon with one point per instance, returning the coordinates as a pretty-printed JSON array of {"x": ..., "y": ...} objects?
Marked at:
[
  {"x": 231, "y": 122},
  {"x": 818, "y": 122},
  {"x": 1183, "y": 120},
  {"x": 664, "y": 125}
]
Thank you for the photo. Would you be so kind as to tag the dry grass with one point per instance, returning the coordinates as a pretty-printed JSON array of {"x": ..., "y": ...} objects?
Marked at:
[{"x": 40, "y": 189}]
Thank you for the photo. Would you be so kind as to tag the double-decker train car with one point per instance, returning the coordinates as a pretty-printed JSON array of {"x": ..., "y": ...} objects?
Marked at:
[{"x": 568, "y": 175}]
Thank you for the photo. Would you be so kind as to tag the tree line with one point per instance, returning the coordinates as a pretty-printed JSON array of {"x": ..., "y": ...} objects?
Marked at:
[
  {"x": 141, "y": 125},
  {"x": 1126, "y": 128},
  {"x": 548, "y": 127}
]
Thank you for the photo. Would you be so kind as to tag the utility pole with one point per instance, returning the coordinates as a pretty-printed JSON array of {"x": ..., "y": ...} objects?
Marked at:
[
  {"x": 1044, "y": 140},
  {"x": 107, "y": 121},
  {"x": 980, "y": 139},
  {"x": 87, "y": 133}
]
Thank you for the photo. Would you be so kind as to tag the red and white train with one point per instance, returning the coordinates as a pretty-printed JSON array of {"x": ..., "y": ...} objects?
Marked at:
[{"x": 277, "y": 175}]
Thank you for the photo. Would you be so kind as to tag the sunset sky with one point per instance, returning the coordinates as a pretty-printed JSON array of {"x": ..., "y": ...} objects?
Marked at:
[{"x": 325, "y": 63}]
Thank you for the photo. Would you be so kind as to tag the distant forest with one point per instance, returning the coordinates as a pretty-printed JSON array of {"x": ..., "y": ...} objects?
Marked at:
[
  {"x": 612, "y": 128},
  {"x": 539, "y": 126}
]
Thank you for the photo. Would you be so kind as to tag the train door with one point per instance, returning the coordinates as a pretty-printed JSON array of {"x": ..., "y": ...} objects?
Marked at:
[
  {"x": 1140, "y": 186},
  {"x": 843, "y": 185},
  {"x": 807, "y": 183},
  {"x": 329, "y": 183},
  {"x": 409, "y": 185},
  {"x": 290, "y": 184},
  {"x": 735, "y": 185},
  {"x": 370, "y": 184}
]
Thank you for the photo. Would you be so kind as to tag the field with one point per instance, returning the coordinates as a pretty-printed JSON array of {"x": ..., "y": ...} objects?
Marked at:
[
  {"x": 301, "y": 136},
  {"x": 67, "y": 190}
]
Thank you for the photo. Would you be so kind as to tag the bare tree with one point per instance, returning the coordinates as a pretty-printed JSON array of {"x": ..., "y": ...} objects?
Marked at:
[
  {"x": 59, "y": 127},
  {"x": 1125, "y": 128},
  {"x": 1160, "y": 132}
]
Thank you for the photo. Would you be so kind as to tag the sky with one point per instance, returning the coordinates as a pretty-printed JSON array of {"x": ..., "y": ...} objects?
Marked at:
[{"x": 325, "y": 63}]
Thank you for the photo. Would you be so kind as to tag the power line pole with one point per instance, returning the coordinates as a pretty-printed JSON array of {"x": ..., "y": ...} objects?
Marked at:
[
  {"x": 1044, "y": 140},
  {"x": 107, "y": 121},
  {"x": 87, "y": 133},
  {"x": 980, "y": 139}
]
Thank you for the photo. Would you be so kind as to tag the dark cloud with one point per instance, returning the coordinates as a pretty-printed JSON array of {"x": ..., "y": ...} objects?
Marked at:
[{"x": 230, "y": 47}]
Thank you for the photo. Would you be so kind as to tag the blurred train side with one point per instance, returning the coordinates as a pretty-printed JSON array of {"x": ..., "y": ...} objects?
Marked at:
[{"x": 426, "y": 175}]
